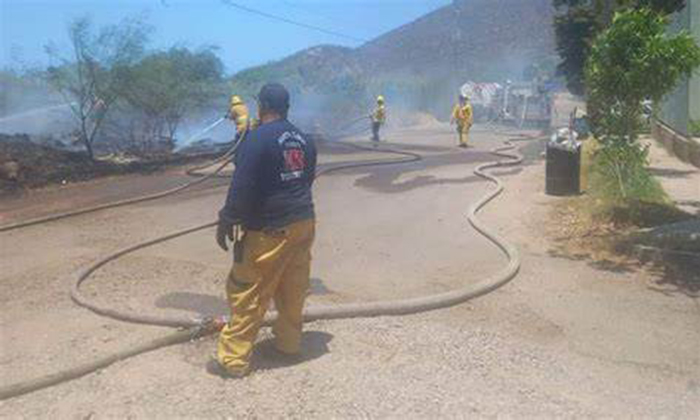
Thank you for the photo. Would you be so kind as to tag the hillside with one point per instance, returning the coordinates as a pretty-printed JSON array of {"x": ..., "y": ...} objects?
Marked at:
[
  {"x": 420, "y": 64},
  {"x": 479, "y": 39},
  {"x": 320, "y": 66},
  {"x": 324, "y": 80}
]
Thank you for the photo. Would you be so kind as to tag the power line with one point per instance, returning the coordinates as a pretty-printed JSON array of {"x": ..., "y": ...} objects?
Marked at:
[
  {"x": 310, "y": 12},
  {"x": 291, "y": 22}
]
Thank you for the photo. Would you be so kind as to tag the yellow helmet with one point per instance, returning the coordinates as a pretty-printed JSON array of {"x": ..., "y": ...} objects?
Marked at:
[
  {"x": 380, "y": 99},
  {"x": 236, "y": 100}
]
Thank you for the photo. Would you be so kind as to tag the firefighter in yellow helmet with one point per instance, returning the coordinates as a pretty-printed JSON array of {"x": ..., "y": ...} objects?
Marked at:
[
  {"x": 378, "y": 118},
  {"x": 463, "y": 116},
  {"x": 238, "y": 113}
]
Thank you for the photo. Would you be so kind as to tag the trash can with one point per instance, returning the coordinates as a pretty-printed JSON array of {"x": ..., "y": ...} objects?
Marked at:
[{"x": 563, "y": 170}]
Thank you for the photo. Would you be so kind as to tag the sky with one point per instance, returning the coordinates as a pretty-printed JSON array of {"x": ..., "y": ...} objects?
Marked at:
[{"x": 244, "y": 39}]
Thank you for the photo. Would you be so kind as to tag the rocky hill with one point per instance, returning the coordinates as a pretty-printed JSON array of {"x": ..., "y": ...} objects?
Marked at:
[
  {"x": 420, "y": 64},
  {"x": 486, "y": 40}
]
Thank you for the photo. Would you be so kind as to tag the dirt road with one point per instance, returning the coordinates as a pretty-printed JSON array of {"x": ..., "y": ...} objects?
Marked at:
[{"x": 563, "y": 339}]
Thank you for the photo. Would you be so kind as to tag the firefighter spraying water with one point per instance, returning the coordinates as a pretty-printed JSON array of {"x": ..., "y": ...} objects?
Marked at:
[{"x": 238, "y": 113}]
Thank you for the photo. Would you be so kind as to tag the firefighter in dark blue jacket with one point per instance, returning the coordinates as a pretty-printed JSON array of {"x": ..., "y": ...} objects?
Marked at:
[{"x": 270, "y": 199}]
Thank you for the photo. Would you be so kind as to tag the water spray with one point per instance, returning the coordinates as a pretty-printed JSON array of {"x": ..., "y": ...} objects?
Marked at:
[
  {"x": 202, "y": 132},
  {"x": 33, "y": 112}
]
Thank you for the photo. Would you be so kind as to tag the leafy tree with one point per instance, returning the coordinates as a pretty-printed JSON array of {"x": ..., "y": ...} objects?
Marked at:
[
  {"x": 635, "y": 59},
  {"x": 166, "y": 86},
  {"x": 580, "y": 21},
  {"x": 95, "y": 75},
  {"x": 573, "y": 31},
  {"x": 632, "y": 61}
]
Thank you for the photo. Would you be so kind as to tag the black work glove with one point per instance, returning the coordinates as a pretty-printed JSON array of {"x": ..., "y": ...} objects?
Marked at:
[{"x": 224, "y": 230}]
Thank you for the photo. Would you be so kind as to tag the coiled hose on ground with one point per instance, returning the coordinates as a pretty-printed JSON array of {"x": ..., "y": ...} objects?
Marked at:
[{"x": 192, "y": 328}]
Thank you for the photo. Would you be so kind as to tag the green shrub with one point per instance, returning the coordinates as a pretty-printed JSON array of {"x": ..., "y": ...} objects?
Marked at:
[
  {"x": 695, "y": 128},
  {"x": 634, "y": 60},
  {"x": 624, "y": 191},
  {"x": 620, "y": 175}
]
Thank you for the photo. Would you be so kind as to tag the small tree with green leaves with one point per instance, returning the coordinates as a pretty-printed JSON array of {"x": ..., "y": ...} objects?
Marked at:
[
  {"x": 165, "y": 86},
  {"x": 634, "y": 60},
  {"x": 94, "y": 76},
  {"x": 577, "y": 24}
]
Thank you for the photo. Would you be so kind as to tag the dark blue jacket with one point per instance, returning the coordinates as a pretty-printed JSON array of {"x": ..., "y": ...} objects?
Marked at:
[{"x": 271, "y": 186}]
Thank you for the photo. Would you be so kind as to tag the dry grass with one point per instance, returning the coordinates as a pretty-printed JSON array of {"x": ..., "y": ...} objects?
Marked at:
[
  {"x": 579, "y": 233},
  {"x": 604, "y": 233}
]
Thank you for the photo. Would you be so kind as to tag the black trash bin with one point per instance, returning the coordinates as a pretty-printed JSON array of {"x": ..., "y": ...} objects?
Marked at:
[{"x": 563, "y": 170}]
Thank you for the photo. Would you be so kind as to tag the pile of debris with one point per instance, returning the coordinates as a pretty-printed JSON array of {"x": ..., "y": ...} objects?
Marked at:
[
  {"x": 27, "y": 164},
  {"x": 24, "y": 163}
]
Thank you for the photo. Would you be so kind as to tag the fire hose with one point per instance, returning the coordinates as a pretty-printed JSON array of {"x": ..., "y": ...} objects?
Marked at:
[
  {"x": 193, "y": 328},
  {"x": 222, "y": 160}
]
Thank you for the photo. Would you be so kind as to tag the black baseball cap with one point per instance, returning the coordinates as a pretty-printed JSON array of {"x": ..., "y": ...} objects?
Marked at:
[{"x": 275, "y": 97}]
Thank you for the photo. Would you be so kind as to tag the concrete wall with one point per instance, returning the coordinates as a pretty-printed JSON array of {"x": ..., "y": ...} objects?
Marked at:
[
  {"x": 684, "y": 103},
  {"x": 684, "y": 148}
]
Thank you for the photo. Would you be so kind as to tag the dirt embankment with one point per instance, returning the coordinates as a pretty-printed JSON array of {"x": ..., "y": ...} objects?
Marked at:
[
  {"x": 657, "y": 238},
  {"x": 25, "y": 164}
]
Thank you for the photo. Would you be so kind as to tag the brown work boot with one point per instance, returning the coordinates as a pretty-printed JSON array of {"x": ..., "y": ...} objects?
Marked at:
[
  {"x": 287, "y": 356},
  {"x": 217, "y": 369}
]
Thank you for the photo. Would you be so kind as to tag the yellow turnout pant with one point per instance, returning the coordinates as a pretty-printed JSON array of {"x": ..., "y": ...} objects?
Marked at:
[
  {"x": 275, "y": 265},
  {"x": 463, "y": 132}
]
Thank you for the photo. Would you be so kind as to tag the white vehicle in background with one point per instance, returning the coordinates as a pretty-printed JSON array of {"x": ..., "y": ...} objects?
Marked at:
[
  {"x": 520, "y": 103},
  {"x": 484, "y": 98}
]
